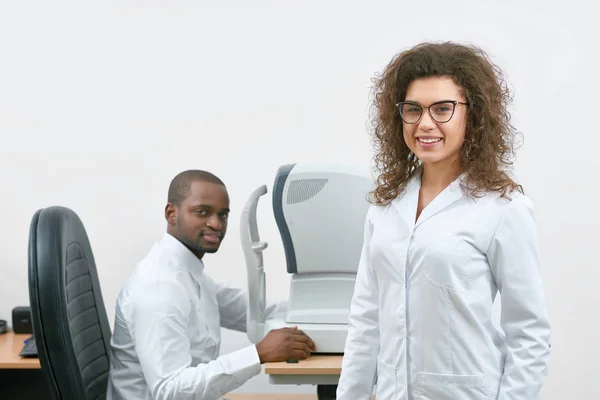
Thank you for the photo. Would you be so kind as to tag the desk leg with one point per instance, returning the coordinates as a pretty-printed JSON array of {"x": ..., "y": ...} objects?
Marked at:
[{"x": 326, "y": 392}]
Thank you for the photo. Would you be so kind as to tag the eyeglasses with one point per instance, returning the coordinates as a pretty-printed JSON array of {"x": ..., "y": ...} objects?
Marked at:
[{"x": 440, "y": 111}]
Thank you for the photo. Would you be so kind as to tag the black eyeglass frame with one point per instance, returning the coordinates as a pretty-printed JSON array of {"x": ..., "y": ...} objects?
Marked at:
[{"x": 453, "y": 102}]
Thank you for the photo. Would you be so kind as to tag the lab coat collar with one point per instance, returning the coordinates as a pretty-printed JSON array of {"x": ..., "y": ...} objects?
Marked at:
[
  {"x": 189, "y": 260},
  {"x": 410, "y": 199}
]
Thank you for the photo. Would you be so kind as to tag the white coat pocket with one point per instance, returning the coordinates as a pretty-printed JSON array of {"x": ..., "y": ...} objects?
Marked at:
[
  {"x": 432, "y": 386},
  {"x": 386, "y": 381},
  {"x": 446, "y": 266}
]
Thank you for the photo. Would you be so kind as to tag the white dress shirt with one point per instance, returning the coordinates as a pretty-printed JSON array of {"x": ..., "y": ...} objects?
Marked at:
[
  {"x": 420, "y": 322},
  {"x": 167, "y": 331}
]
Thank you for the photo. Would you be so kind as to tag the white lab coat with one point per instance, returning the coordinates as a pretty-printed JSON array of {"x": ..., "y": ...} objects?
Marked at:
[
  {"x": 420, "y": 320},
  {"x": 167, "y": 332}
]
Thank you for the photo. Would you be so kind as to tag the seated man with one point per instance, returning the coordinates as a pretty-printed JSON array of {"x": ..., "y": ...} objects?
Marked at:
[{"x": 169, "y": 314}]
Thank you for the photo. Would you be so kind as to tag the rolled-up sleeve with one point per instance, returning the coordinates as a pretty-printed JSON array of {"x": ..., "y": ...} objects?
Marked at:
[
  {"x": 514, "y": 259},
  {"x": 158, "y": 326}
]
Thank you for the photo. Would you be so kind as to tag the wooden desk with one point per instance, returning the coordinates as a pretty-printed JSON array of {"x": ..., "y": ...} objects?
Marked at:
[
  {"x": 10, "y": 346},
  {"x": 315, "y": 370},
  {"x": 20, "y": 378}
]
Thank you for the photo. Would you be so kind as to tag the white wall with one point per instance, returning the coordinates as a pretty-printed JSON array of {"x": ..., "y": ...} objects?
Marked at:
[{"x": 101, "y": 105}]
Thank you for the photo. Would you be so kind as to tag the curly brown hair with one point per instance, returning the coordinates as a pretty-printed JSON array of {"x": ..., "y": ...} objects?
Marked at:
[{"x": 489, "y": 143}]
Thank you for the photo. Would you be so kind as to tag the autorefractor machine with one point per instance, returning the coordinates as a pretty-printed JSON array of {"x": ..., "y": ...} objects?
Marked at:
[{"x": 320, "y": 213}]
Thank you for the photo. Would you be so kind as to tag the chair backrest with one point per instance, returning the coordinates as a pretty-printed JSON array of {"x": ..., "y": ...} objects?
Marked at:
[{"x": 70, "y": 325}]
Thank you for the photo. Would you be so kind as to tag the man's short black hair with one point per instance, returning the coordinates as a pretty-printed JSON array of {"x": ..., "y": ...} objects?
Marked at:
[{"x": 179, "y": 189}]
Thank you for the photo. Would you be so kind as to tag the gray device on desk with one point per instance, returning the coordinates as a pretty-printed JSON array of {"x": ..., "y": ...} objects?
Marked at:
[
  {"x": 320, "y": 212},
  {"x": 21, "y": 320}
]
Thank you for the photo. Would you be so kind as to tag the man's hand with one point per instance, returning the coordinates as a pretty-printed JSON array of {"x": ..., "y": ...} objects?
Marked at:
[{"x": 285, "y": 344}]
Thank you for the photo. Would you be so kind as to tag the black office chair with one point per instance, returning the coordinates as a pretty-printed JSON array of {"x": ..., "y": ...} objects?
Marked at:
[{"x": 70, "y": 325}]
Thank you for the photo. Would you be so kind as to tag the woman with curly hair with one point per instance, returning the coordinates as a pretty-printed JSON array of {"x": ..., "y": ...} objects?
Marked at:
[{"x": 448, "y": 230}]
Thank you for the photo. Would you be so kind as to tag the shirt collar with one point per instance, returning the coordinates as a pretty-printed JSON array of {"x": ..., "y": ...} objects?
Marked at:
[
  {"x": 459, "y": 183},
  {"x": 189, "y": 260}
]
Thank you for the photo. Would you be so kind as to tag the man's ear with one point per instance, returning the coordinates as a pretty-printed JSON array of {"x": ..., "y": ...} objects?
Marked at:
[{"x": 171, "y": 213}]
